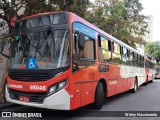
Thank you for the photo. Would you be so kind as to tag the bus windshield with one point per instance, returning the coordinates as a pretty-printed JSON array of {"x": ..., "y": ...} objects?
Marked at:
[{"x": 40, "y": 50}]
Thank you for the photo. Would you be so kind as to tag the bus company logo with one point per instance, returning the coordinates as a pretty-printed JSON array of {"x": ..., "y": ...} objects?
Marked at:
[
  {"x": 24, "y": 87},
  {"x": 15, "y": 86}
]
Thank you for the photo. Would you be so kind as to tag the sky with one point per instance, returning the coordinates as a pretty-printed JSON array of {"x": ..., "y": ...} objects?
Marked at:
[{"x": 152, "y": 7}]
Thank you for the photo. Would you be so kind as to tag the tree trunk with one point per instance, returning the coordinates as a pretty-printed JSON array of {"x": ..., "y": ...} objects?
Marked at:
[
  {"x": 4, "y": 79},
  {"x": 3, "y": 83},
  {"x": 5, "y": 73}
]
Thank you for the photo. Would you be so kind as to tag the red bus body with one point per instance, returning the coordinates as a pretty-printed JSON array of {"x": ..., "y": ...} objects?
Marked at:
[
  {"x": 150, "y": 72},
  {"x": 157, "y": 72},
  {"x": 81, "y": 84}
]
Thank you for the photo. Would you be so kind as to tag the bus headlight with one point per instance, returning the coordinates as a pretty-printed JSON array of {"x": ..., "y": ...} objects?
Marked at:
[
  {"x": 52, "y": 89},
  {"x": 62, "y": 84},
  {"x": 58, "y": 86}
]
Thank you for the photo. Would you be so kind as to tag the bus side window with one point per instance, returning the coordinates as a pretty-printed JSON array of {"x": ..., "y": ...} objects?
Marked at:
[
  {"x": 89, "y": 50},
  {"x": 83, "y": 57},
  {"x": 116, "y": 56},
  {"x": 143, "y": 62},
  {"x": 140, "y": 61},
  {"x": 136, "y": 59},
  {"x": 131, "y": 58},
  {"x": 104, "y": 51},
  {"x": 128, "y": 55},
  {"x": 125, "y": 57},
  {"x": 109, "y": 45}
]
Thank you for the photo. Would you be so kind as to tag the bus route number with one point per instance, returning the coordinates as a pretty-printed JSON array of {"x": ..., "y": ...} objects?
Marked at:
[{"x": 38, "y": 87}]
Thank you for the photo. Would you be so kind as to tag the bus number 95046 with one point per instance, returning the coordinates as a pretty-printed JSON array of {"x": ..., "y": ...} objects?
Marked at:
[{"x": 38, "y": 87}]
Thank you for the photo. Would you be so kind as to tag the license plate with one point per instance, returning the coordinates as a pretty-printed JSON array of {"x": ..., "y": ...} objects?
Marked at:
[{"x": 24, "y": 98}]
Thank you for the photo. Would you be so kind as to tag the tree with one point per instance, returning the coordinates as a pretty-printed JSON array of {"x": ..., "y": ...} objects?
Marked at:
[
  {"x": 153, "y": 49},
  {"x": 122, "y": 19},
  {"x": 9, "y": 10},
  {"x": 77, "y": 6}
]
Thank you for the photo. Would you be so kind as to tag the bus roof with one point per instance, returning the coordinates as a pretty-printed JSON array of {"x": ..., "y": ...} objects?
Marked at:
[{"x": 39, "y": 14}]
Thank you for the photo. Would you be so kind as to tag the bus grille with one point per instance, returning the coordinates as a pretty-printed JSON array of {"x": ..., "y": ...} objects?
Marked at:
[
  {"x": 29, "y": 76},
  {"x": 34, "y": 97}
]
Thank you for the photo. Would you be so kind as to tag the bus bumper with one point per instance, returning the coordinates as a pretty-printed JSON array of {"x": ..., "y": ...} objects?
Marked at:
[{"x": 58, "y": 101}]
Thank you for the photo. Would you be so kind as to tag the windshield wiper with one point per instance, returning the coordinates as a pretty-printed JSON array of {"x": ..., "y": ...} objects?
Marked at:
[{"x": 42, "y": 39}]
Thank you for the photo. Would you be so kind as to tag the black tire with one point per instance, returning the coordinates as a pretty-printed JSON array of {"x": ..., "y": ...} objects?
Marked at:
[
  {"x": 99, "y": 96},
  {"x": 146, "y": 83},
  {"x": 151, "y": 81},
  {"x": 134, "y": 90}
]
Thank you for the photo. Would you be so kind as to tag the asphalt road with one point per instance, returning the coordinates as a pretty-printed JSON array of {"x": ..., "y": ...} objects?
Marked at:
[{"x": 146, "y": 99}]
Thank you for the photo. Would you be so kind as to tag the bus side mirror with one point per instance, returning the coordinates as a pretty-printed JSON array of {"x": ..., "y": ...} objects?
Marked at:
[{"x": 81, "y": 41}]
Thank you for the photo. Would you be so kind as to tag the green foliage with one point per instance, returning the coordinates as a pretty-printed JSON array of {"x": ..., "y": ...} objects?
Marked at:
[
  {"x": 30, "y": 7},
  {"x": 153, "y": 49},
  {"x": 122, "y": 19},
  {"x": 157, "y": 64},
  {"x": 78, "y": 7}
]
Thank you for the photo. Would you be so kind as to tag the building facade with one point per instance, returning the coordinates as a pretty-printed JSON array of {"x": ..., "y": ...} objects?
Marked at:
[{"x": 149, "y": 36}]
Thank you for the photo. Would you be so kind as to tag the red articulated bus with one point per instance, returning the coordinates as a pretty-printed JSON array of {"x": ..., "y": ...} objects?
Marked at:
[
  {"x": 150, "y": 72},
  {"x": 60, "y": 61}
]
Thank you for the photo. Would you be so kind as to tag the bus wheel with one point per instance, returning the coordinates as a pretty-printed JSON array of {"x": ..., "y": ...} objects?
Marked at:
[
  {"x": 146, "y": 83},
  {"x": 151, "y": 81},
  {"x": 99, "y": 96},
  {"x": 134, "y": 90}
]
